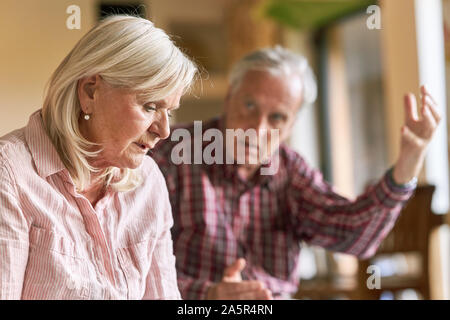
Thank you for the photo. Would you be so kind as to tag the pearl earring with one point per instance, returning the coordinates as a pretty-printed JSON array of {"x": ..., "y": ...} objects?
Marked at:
[{"x": 86, "y": 117}]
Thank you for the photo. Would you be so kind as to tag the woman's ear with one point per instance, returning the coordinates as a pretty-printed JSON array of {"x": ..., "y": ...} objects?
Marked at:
[{"x": 86, "y": 92}]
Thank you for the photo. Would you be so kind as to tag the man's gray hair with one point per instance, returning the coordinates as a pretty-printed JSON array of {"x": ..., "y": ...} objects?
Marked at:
[{"x": 278, "y": 61}]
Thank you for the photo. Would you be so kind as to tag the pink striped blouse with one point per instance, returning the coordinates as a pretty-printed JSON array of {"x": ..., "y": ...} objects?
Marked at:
[{"x": 55, "y": 245}]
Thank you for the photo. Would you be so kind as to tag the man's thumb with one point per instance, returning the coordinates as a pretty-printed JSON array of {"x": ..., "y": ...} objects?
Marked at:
[{"x": 233, "y": 271}]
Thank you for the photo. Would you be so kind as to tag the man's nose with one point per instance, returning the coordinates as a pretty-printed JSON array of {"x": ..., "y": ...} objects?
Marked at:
[{"x": 261, "y": 125}]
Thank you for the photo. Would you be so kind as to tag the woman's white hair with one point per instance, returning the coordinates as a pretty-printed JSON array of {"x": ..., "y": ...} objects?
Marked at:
[
  {"x": 278, "y": 61},
  {"x": 128, "y": 52}
]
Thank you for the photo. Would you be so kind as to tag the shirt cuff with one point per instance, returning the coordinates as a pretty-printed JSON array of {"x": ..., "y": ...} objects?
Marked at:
[
  {"x": 406, "y": 187},
  {"x": 391, "y": 194},
  {"x": 204, "y": 290},
  {"x": 198, "y": 290}
]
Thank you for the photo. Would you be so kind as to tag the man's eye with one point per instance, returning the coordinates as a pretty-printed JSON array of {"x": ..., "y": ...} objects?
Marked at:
[
  {"x": 249, "y": 105},
  {"x": 277, "y": 117}
]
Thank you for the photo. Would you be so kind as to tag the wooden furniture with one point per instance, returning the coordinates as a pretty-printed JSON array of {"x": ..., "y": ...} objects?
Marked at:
[
  {"x": 410, "y": 235},
  {"x": 328, "y": 289}
]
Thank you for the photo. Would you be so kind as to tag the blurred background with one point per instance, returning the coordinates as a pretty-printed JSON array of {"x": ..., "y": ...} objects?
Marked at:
[{"x": 366, "y": 56}]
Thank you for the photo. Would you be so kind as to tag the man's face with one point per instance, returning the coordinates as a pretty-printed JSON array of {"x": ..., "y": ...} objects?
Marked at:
[{"x": 263, "y": 102}]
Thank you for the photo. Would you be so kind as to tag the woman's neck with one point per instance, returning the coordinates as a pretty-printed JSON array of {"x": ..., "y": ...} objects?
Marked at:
[{"x": 95, "y": 190}]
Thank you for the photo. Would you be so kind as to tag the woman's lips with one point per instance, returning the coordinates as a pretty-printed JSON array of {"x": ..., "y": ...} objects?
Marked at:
[{"x": 143, "y": 146}]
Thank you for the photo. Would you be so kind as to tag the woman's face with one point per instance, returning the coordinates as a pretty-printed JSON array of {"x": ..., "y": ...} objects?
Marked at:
[{"x": 124, "y": 126}]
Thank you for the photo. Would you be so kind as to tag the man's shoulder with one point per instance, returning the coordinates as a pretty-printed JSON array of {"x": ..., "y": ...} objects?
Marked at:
[{"x": 290, "y": 157}]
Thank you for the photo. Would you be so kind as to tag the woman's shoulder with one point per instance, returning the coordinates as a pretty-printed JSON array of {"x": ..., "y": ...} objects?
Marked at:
[
  {"x": 13, "y": 147},
  {"x": 150, "y": 169},
  {"x": 15, "y": 156},
  {"x": 153, "y": 182}
]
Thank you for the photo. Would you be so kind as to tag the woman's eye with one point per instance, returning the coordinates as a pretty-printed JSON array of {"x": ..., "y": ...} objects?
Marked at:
[{"x": 150, "y": 107}]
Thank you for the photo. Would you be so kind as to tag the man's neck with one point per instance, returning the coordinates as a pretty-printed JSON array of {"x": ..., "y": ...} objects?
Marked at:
[{"x": 246, "y": 173}]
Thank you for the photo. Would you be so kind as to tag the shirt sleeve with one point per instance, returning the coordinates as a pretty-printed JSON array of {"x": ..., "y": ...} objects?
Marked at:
[
  {"x": 191, "y": 288},
  {"x": 162, "y": 278},
  {"x": 322, "y": 217},
  {"x": 13, "y": 239}
]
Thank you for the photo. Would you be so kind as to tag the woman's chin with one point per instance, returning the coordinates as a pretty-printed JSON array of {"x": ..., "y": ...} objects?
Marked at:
[
  {"x": 131, "y": 162},
  {"x": 136, "y": 162}
]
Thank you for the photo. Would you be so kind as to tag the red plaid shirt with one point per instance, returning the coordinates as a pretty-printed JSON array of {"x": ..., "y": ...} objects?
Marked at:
[{"x": 219, "y": 218}]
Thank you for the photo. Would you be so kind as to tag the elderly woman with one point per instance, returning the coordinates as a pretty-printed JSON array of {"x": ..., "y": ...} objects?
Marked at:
[{"x": 84, "y": 214}]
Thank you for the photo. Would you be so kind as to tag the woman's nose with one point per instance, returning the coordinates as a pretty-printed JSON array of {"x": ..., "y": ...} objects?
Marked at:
[{"x": 161, "y": 126}]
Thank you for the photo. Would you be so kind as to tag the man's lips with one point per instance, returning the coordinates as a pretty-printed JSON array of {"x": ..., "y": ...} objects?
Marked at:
[{"x": 248, "y": 145}]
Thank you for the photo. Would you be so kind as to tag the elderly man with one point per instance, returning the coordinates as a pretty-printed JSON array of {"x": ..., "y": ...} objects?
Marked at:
[{"x": 237, "y": 231}]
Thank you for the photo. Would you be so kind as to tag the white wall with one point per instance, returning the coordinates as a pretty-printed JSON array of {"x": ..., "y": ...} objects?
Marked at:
[
  {"x": 34, "y": 40},
  {"x": 305, "y": 137}
]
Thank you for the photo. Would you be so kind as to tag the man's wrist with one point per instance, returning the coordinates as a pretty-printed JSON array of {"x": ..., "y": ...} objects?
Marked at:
[
  {"x": 407, "y": 167},
  {"x": 404, "y": 182}
]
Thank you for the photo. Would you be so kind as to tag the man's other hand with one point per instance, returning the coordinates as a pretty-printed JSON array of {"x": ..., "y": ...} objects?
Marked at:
[{"x": 232, "y": 287}]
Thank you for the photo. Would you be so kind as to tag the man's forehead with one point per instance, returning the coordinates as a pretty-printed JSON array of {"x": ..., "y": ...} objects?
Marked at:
[
  {"x": 274, "y": 80},
  {"x": 277, "y": 90}
]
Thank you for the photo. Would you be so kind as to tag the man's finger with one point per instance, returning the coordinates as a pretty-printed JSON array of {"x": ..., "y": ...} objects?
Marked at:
[
  {"x": 232, "y": 272},
  {"x": 436, "y": 115},
  {"x": 247, "y": 296},
  {"x": 410, "y": 109},
  {"x": 256, "y": 295},
  {"x": 429, "y": 122},
  {"x": 425, "y": 92},
  {"x": 267, "y": 294},
  {"x": 243, "y": 286},
  {"x": 427, "y": 99}
]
